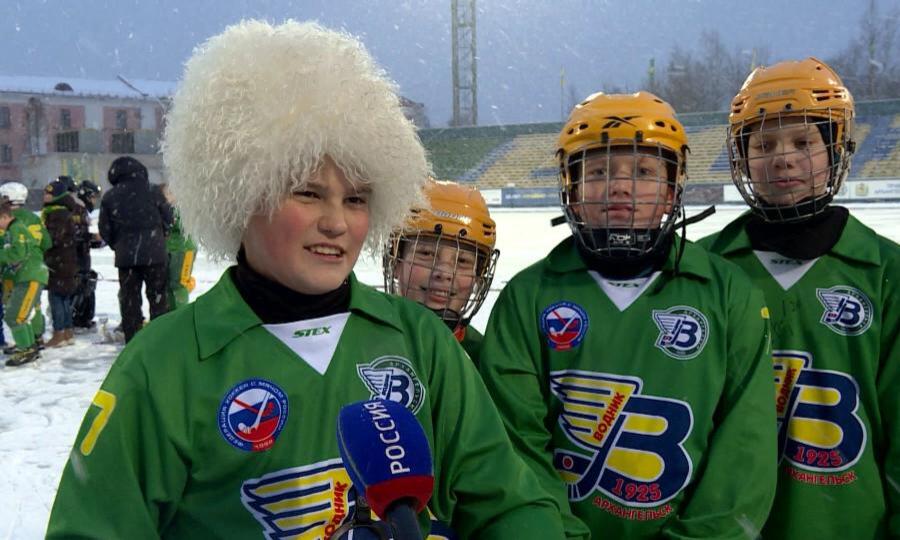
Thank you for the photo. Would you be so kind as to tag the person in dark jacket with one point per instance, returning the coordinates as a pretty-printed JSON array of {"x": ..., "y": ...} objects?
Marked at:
[
  {"x": 83, "y": 302},
  {"x": 68, "y": 182},
  {"x": 60, "y": 217},
  {"x": 134, "y": 219}
]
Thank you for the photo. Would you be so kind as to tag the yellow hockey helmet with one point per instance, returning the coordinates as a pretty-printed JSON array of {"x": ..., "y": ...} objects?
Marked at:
[
  {"x": 457, "y": 217},
  {"x": 807, "y": 90},
  {"x": 603, "y": 122},
  {"x": 624, "y": 119},
  {"x": 455, "y": 210}
]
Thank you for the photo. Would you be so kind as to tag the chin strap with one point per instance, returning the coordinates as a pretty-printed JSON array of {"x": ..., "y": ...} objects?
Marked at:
[
  {"x": 694, "y": 219},
  {"x": 559, "y": 220},
  {"x": 683, "y": 225}
]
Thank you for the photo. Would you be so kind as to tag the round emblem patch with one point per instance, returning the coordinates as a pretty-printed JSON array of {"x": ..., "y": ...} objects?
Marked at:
[
  {"x": 394, "y": 379},
  {"x": 683, "y": 331},
  {"x": 564, "y": 324},
  {"x": 253, "y": 414},
  {"x": 847, "y": 310}
]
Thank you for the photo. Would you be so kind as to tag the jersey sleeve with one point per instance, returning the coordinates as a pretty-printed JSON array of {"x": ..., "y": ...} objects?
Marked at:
[
  {"x": 510, "y": 364},
  {"x": 889, "y": 398},
  {"x": 15, "y": 246},
  {"x": 124, "y": 475},
  {"x": 483, "y": 489},
  {"x": 735, "y": 482}
]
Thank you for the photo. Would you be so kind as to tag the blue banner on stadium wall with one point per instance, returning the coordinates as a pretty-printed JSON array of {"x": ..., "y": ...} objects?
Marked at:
[{"x": 538, "y": 196}]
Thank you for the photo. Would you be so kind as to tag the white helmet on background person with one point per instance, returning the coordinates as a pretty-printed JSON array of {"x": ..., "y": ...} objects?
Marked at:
[{"x": 14, "y": 192}]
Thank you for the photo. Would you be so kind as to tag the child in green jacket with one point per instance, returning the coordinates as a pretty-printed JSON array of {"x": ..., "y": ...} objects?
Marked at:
[
  {"x": 218, "y": 420},
  {"x": 833, "y": 288},
  {"x": 24, "y": 261},
  {"x": 17, "y": 194},
  {"x": 444, "y": 258},
  {"x": 633, "y": 370},
  {"x": 182, "y": 250}
]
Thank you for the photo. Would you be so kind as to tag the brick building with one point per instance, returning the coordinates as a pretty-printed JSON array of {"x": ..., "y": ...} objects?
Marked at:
[{"x": 55, "y": 125}]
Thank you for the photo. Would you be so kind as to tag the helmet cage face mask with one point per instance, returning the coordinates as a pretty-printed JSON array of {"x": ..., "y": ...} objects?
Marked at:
[
  {"x": 447, "y": 273},
  {"x": 781, "y": 169},
  {"x": 619, "y": 213}
]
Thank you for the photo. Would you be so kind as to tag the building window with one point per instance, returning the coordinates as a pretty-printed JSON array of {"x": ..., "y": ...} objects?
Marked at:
[
  {"x": 4, "y": 117},
  {"x": 67, "y": 141},
  {"x": 65, "y": 119},
  {"x": 122, "y": 143},
  {"x": 121, "y": 119},
  {"x": 5, "y": 153}
]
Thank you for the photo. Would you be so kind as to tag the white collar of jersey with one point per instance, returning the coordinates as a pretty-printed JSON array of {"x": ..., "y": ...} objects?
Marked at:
[
  {"x": 313, "y": 340},
  {"x": 785, "y": 270},
  {"x": 623, "y": 292}
]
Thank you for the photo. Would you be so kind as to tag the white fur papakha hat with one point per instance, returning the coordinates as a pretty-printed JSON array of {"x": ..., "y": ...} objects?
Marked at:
[{"x": 258, "y": 108}]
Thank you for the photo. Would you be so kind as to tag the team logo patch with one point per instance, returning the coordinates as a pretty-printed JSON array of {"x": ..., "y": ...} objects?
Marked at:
[
  {"x": 253, "y": 414},
  {"x": 847, "y": 310},
  {"x": 394, "y": 379},
  {"x": 564, "y": 324},
  {"x": 307, "y": 502},
  {"x": 818, "y": 427},
  {"x": 631, "y": 444},
  {"x": 683, "y": 331}
]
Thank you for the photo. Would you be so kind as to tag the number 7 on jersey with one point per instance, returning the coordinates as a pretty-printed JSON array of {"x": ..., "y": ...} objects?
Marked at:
[{"x": 107, "y": 402}]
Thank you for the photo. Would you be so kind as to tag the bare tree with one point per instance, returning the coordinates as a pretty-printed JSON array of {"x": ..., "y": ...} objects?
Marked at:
[
  {"x": 679, "y": 84},
  {"x": 870, "y": 65},
  {"x": 705, "y": 80}
]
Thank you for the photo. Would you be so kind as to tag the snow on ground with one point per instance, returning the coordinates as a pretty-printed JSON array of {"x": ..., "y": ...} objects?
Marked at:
[{"x": 44, "y": 402}]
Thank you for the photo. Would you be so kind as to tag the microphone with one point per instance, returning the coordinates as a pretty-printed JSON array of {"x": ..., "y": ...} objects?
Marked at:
[{"x": 387, "y": 456}]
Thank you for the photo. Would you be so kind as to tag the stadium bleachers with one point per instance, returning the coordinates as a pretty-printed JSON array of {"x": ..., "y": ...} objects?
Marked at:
[
  {"x": 527, "y": 154},
  {"x": 462, "y": 158},
  {"x": 882, "y": 151},
  {"x": 708, "y": 160},
  {"x": 523, "y": 155}
]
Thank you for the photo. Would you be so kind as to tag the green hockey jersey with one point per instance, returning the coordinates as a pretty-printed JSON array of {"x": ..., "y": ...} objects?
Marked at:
[
  {"x": 21, "y": 256},
  {"x": 836, "y": 350},
  {"x": 649, "y": 416},
  {"x": 177, "y": 240},
  {"x": 213, "y": 425},
  {"x": 35, "y": 227}
]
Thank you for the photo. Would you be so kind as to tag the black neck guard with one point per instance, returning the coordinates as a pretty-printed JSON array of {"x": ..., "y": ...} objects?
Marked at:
[
  {"x": 805, "y": 209},
  {"x": 274, "y": 303},
  {"x": 805, "y": 240}
]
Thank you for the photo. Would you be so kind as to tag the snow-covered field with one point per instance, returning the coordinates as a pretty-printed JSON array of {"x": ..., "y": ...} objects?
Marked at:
[{"x": 44, "y": 402}]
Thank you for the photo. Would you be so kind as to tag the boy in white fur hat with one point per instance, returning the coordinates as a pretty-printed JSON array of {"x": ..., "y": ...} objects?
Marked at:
[{"x": 287, "y": 150}]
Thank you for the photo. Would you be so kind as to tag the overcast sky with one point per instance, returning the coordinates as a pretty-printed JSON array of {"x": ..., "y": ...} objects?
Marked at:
[{"x": 523, "y": 45}]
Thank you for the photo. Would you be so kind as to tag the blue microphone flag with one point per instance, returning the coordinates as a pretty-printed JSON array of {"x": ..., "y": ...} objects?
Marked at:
[{"x": 386, "y": 453}]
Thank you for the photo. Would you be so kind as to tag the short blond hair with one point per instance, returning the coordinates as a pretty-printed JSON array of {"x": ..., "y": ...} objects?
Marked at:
[{"x": 257, "y": 110}]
